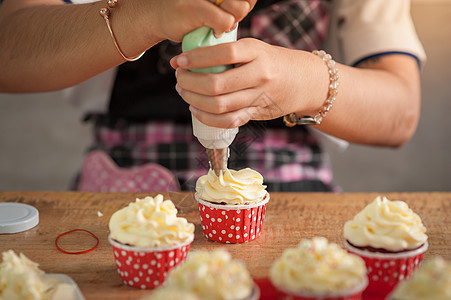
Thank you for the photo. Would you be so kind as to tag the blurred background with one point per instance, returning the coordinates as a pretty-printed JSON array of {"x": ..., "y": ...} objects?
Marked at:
[{"x": 42, "y": 138}]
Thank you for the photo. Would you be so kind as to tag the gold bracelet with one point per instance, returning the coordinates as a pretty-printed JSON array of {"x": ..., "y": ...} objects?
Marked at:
[
  {"x": 292, "y": 119},
  {"x": 105, "y": 13}
]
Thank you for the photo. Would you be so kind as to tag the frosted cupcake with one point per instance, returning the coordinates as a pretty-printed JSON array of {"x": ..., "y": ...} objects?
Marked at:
[
  {"x": 21, "y": 278},
  {"x": 317, "y": 269},
  {"x": 391, "y": 239},
  {"x": 149, "y": 240},
  {"x": 212, "y": 275},
  {"x": 432, "y": 281},
  {"x": 232, "y": 205}
]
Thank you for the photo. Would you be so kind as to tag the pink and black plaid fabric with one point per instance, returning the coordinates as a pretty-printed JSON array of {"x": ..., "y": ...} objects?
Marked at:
[
  {"x": 288, "y": 159},
  {"x": 295, "y": 24}
]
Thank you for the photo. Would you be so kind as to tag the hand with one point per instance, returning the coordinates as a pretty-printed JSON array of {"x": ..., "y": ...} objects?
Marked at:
[
  {"x": 172, "y": 19},
  {"x": 267, "y": 82}
]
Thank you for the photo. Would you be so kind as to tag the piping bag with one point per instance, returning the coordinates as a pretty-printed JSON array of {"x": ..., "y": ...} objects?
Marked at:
[{"x": 215, "y": 140}]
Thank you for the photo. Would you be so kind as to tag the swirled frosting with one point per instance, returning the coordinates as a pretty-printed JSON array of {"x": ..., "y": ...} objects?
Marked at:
[
  {"x": 20, "y": 278},
  {"x": 319, "y": 267},
  {"x": 432, "y": 281},
  {"x": 150, "y": 222},
  {"x": 390, "y": 225},
  {"x": 231, "y": 187},
  {"x": 212, "y": 275}
]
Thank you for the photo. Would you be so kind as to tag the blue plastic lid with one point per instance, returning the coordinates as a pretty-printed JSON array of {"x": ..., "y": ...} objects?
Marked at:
[{"x": 17, "y": 217}]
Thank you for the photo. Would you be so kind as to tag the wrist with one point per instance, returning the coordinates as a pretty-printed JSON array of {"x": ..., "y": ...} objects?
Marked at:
[
  {"x": 328, "y": 82},
  {"x": 130, "y": 34},
  {"x": 147, "y": 22}
]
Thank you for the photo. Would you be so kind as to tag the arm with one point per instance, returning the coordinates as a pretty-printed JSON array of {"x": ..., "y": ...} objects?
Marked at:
[
  {"x": 381, "y": 102},
  {"x": 378, "y": 102},
  {"x": 47, "y": 45}
]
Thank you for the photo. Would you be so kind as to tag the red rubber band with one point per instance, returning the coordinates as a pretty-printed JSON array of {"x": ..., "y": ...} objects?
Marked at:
[{"x": 77, "y": 252}]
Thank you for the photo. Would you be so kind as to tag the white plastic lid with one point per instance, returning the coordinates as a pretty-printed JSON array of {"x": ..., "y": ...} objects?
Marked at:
[{"x": 17, "y": 217}]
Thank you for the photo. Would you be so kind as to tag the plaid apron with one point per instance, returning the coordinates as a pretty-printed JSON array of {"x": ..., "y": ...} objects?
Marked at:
[{"x": 289, "y": 159}]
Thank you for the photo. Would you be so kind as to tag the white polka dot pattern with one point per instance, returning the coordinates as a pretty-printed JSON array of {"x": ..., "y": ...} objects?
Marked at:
[
  {"x": 384, "y": 274},
  {"x": 147, "y": 270},
  {"x": 100, "y": 174},
  {"x": 232, "y": 226}
]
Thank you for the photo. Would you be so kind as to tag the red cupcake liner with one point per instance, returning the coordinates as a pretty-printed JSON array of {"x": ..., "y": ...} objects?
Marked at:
[
  {"x": 385, "y": 270},
  {"x": 147, "y": 268},
  {"x": 232, "y": 223},
  {"x": 286, "y": 296},
  {"x": 354, "y": 293}
]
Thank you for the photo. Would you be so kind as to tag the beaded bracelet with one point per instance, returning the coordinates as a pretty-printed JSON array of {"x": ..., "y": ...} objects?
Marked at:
[
  {"x": 292, "y": 119},
  {"x": 105, "y": 13}
]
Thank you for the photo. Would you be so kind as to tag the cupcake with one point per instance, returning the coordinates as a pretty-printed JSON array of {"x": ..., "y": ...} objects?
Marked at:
[
  {"x": 232, "y": 205},
  {"x": 317, "y": 269},
  {"x": 212, "y": 275},
  {"x": 391, "y": 239},
  {"x": 21, "y": 278},
  {"x": 431, "y": 281},
  {"x": 148, "y": 240}
]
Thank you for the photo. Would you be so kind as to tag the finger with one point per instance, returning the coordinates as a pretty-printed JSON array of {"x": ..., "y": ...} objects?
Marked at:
[
  {"x": 218, "y": 84},
  {"x": 211, "y": 15},
  {"x": 229, "y": 120},
  {"x": 238, "y": 8},
  {"x": 238, "y": 12},
  {"x": 230, "y": 81},
  {"x": 241, "y": 51},
  {"x": 233, "y": 27},
  {"x": 252, "y": 3},
  {"x": 221, "y": 104}
]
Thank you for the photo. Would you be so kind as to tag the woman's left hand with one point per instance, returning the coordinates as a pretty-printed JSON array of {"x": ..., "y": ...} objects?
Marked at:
[{"x": 266, "y": 83}]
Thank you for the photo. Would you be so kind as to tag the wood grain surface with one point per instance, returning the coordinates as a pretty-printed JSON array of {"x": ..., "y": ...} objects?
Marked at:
[{"x": 290, "y": 217}]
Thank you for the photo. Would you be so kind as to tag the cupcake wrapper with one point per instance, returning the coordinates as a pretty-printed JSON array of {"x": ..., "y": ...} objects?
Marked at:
[
  {"x": 286, "y": 296},
  {"x": 385, "y": 270},
  {"x": 147, "y": 268},
  {"x": 354, "y": 293},
  {"x": 232, "y": 223}
]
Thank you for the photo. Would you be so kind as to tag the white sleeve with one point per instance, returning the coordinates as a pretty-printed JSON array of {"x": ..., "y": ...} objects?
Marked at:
[{"x": 363, "y": 28}]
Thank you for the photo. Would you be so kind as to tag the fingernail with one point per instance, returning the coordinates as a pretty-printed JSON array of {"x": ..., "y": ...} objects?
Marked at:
[
  {"x": 173, "y": 63},
  {"x": 178, "y": 88},
  {"x": 182, "y": 61},
  {"x": 193, "y": 110},
  {"x": 218, "y": 35},
  {"x": 233, "y": 27}
]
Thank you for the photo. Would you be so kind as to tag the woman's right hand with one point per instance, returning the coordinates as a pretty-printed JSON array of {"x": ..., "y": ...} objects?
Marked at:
[{"x": 172, "y": 19}]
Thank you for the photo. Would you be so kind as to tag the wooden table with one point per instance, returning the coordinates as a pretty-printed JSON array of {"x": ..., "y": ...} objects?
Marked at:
[{"x": 290, "y": 217}]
